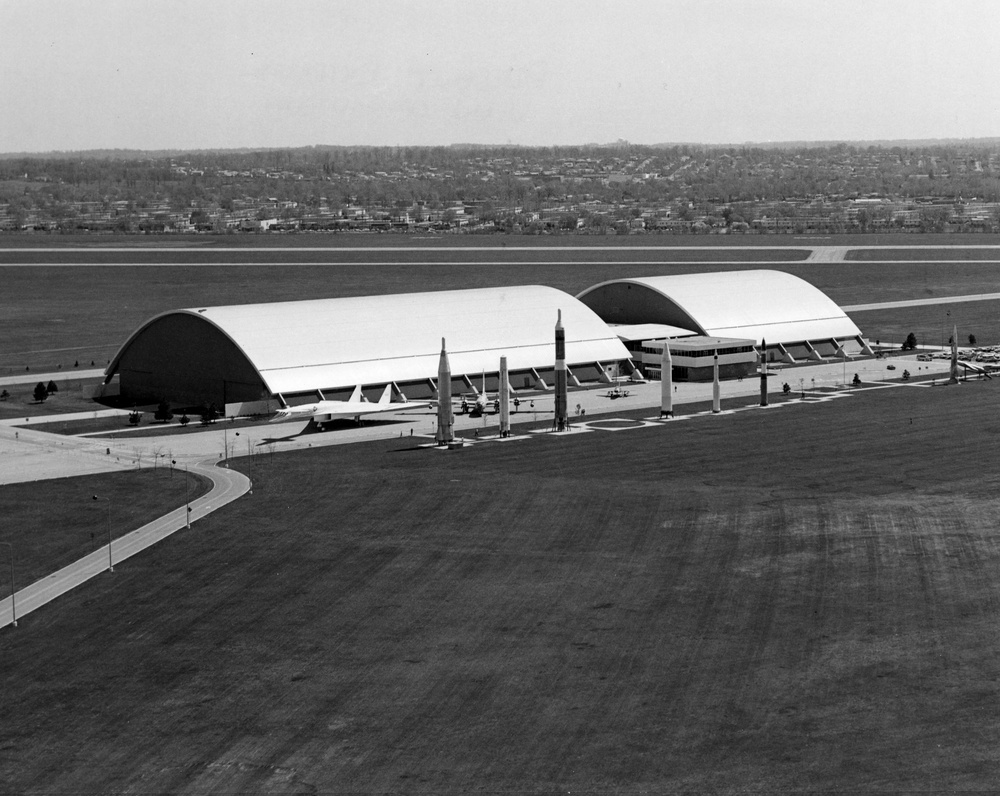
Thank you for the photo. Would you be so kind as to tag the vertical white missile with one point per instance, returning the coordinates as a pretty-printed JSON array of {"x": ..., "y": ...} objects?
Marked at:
[
  {"x": 954, "y": 357},
  {"x": 504, "y": 398},
  {"x": 446, "y": 420},
  {"x": 666, "y": 382},
  {"x": 562, "y": 399},
  {"x": 763, "y": 372},
  {"x": 716, "y": 393}
]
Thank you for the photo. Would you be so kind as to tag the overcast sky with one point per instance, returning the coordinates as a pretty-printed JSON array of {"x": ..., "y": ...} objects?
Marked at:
[{"x": 87, "y": 74}]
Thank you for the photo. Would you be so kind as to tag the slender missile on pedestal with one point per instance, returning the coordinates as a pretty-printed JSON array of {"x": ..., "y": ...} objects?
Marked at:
[
  {"x": 504, "y": 398},
  {"x": 954, "y": 357},
  {"x": 716, "y": 394},
  {"x": 763, "y": 373},
  {"x": 446, "y": 420},
  {"x": 562, "y": 398},
  {"x": 666, "y": 382}
]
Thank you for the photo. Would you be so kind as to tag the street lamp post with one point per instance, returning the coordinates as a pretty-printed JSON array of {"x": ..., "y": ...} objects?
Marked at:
[
  {"x": 249, "y": 461},
  {"x": 187, "y": 493},
  {"x": 13, "y": 607},
  {"x": 111, "y": 566}
]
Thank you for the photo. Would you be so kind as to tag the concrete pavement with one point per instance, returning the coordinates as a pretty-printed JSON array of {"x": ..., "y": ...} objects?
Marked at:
[{"x": 36, "y": 454}]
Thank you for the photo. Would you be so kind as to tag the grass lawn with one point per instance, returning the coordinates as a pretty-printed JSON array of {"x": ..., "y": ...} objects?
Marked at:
[
  {"x": 119, "y": 427},
  {"x": 54, "y": 523},
  {"x": 59, "y": 313},
  {"x": 933, "y": 324},
  {"x": 417, "y": 241},
  {"x": 802, "y": 598},
  {"x": 957, "y": 253},
  {"x": 67, "y": 399}
]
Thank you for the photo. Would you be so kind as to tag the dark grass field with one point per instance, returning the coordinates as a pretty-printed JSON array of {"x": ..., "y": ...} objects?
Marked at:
[
  {"x": 314, "y": 240},
  {"x": 55, "y": 523},
  {"x": 933, "y": 324},
  {"x": 956, "y": 253},
  {"x": 68, "y": 398},
  {"x": 804, "y": 598},
  {"x": 60, "y": 315},
  {"x": 414, "y": 255}
]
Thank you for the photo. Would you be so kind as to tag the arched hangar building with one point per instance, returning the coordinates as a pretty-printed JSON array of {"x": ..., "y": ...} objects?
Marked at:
[
  {"x": 250, "y": 358},
  {"x": 797, "y": 321},
  {"x": 261, "y": 354}
]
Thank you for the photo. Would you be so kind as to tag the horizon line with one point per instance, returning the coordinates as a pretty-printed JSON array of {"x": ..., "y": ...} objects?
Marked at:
[{"x": 620, "y": 143}]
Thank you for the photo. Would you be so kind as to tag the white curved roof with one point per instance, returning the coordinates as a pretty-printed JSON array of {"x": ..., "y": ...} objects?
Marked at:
[
  {"x": 755, "y": 304},
  {"x": 298, "y": 346}
]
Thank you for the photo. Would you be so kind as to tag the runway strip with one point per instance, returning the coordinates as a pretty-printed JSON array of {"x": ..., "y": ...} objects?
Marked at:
[
  {"x": 888, "y": 305},
  {"x": 500, "y": 247}
]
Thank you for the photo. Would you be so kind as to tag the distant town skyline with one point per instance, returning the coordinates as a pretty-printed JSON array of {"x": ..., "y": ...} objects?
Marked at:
[{"x": 107, "y": 74}]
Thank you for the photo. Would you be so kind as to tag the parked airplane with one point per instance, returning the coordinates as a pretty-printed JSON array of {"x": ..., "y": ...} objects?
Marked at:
[
  {"x": 477, "y": 404},
  {"x": 982, "y": 371},
  {"x": 356, "y": 406}
]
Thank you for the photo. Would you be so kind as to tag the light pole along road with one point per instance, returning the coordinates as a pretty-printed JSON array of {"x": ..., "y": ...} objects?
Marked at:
[
  {"x": 111, "y": 564},
  {"x": 13, "y": 596},
  {"x": 227, "y": 486}
]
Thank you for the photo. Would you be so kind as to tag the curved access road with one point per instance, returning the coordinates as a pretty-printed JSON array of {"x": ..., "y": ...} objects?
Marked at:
[{"x": 228, "y": 485}]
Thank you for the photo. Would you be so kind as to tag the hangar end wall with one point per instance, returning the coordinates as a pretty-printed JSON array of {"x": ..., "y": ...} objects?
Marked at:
[{"x": 623, "y": 303}]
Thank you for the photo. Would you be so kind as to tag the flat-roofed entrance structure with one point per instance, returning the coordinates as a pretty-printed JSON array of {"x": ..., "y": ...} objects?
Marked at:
[
  {"x": 797, "y": 320},
  {"x": 298, "y": 350},
  {"x": 693, "y": 358}
]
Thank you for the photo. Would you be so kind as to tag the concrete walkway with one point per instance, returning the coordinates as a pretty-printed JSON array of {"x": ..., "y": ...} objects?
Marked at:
[
  {"x": 228, "y": 485},
  {"x": 35, "y": 454}
]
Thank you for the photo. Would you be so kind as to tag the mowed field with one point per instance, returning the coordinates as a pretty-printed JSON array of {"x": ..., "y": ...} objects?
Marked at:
[
  {"x": 51, "y": 525},
  {"x": 802, "y": 598},
  {"x": 70, "y": 308}
]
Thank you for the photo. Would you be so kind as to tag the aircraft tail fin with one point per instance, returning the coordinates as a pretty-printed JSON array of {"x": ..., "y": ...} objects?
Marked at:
[
  {"x": 356, "y": 396},
  {"x": 386, "y": 395}
]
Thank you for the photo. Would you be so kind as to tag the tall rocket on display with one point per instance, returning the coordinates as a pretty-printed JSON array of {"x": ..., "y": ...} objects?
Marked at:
[
  {"x": 446, "y": 420},
  {"x": 562, "y": 400},
  {"x": 504, "y": 398},
  {"x": 716, "y": 393},
  {"x": 666, "y": 382},
  {"x": 763, "y": 373},
  {"x": 953, "y": 379}
]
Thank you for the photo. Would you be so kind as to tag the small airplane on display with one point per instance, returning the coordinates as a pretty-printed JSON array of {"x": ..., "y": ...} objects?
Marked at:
[
  {"x": 476, "y": 405},
  {"x": 356, "y": 406}
]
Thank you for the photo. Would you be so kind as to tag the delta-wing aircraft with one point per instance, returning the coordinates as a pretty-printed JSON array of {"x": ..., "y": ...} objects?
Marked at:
[
  {"x": 978, "y": 369},
  {"x": 356, "y": 406}
]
